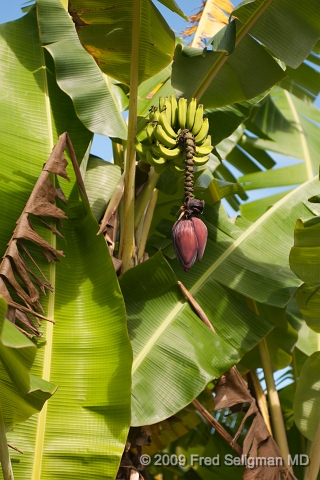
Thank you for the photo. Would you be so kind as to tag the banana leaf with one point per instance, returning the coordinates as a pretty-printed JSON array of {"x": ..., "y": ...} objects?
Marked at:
[
  {"x": 251, "y": 260},
  {"x": 304, "y": 262},
  {"x": 105, "y": 30},
  {"x": 286, "y": 125},
  {"x": 306, "y": 399},
  {"x": 175, "y": 354},
  {"x": 21, "y": 394},
  {"x": 87, "y": 353},
  {"x": 289, "y": 30},
  {"x": 171, "y": 4},
  {"x": 308, "y": 340},
  {"x": 247, "y": 73},
  {"x": 94, "y": 98}
]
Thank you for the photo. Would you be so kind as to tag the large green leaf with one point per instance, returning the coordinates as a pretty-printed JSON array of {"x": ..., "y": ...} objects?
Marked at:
[
  {"x": 304, "y": 81},
  {"x": 87, "y": 353},
  {"x": 174, "y": 7},
  {"x": 280, "y": 341},
  {"x": 175, "y": 354},
  {"x": 286, "y": 125},
  {"x": 248, "y": 72},
  {"x": 307, "y": 398},
  {"x": 251, "y": 259},
  {"x": 304, "y": 262},
  {"x": 289, "y": 123},
  {"x": 289, "y": 29},
  {"x": 308, "y": 341},
  {"x": 225, "y": 120},
  {"x": 304, "y": 258},
  {"x": 21, "y": 394},
  {"x": 77, "y": 73},
  {"x": 105, "y": 30}
]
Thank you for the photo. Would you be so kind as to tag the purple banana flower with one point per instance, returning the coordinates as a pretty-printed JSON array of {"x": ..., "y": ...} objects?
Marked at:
[{"x": 189, "y": 240}]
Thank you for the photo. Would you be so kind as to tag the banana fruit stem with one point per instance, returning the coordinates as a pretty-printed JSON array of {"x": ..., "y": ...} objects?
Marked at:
[
  {"x": 4, "y": 452},
  {"x": 127, "y": 244}
]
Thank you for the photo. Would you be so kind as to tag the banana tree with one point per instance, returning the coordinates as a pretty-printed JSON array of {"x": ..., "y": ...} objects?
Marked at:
[{"x": 80, "y": 65}]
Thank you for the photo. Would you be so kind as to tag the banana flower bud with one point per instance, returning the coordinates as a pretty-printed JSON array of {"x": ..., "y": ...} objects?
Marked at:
[{"x": 189, "y": 240}]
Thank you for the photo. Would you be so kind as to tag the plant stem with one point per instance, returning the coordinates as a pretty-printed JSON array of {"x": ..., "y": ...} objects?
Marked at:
[
  {"x": 274, "y": 401},
  {"x": 295, "y": 376},
  {"x": 275, "y": 407},
  {"x": 146, "y": 223},
  {"x": 4, "y": 451},
  {"x": 127, "y": 244},
  {"x": 222, "y": 58},
  {"x": 144, "y": 198},
  {"x": 261, "y": 399},
  {"x": 314, "y": 457}
]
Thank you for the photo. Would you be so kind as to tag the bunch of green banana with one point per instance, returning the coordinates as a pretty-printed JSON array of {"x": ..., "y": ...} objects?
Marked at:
[{"x": 158, "y": 143}]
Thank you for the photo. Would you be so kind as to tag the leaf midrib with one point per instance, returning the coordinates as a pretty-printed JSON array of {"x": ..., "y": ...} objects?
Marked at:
[
  {"x": 303, "y": 140},
  {"x": 41, "y": 426}
]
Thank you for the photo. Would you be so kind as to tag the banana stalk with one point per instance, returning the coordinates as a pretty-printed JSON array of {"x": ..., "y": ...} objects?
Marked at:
[{"x": 127, "y": 243}]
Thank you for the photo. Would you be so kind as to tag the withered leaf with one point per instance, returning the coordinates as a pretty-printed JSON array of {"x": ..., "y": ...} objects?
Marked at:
[
  {"x": 232, "y": 391},
  {"x": 15, "y": 273}
]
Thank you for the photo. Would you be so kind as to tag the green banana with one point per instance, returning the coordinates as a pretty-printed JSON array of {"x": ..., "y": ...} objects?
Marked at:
[
  {"x": 167, "y": 109},
  {"x": 182, "y": 112},
  {"x": 161, "y": 103},
  {"x": 140, "y": 148},
  {"x": 162, "y": 151},
  {"x": 174, "y": 111},
  {"x": 191, "y": 111},
  {"x": 163, "y": 120},
  {"x": 150, "y": 131},
  {"x": 207, "y": 141},
  {"x": 203, "y": 132},
  {"x": 203, "y": 150},
  {"x": 154, "y": 160},
  {"x": 162, "y": 137},
  {"x": 155, "y": 114},
  {"x": 198, "y": 120},
  {"x": 175, "y": 168},
  {"x": 200, "y": 161}
]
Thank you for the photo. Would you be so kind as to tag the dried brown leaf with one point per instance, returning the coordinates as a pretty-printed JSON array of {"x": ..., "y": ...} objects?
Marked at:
[
  {"x": 15, "y": 273},
  {"x": 232, "y": 391}
]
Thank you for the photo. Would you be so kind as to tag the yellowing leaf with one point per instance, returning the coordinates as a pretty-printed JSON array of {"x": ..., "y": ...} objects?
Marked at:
[{"x": 217, "y": 14}]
